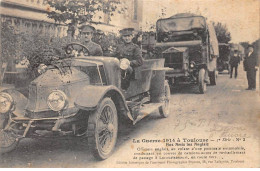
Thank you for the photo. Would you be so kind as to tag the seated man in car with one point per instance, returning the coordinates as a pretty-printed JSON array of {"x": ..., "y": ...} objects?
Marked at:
[
  {"x": 130, "y": 51},
  {"x": 86, "y": 34}
]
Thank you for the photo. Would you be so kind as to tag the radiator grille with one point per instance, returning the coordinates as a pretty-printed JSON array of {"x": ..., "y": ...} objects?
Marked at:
[{"x": 174, "y": 60}]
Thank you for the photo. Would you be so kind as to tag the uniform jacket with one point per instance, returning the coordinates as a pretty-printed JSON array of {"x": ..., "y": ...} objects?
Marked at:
[
  {"x": 250, "y": 62},
  {"x": 94, "y": 49},
  {"x": 130, "y": 51}
]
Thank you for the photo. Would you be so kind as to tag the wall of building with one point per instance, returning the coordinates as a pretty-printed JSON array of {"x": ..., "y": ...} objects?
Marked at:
[
  {"x": 153, "y": 10},
  {"x": 132, "y": 17},
  {"x": 31, "y": 15}
]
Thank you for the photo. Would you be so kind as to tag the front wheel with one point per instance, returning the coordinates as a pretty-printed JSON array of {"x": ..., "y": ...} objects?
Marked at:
[
  {"x": 8, "y": 139},
  {"x": 165, "y": 109},
  {"x": 201, "y": 81},
  {"x": 102, "y": 129}
]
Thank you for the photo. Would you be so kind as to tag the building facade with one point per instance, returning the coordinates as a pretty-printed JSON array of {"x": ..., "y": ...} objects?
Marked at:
[{"x": 31, "y": 15}]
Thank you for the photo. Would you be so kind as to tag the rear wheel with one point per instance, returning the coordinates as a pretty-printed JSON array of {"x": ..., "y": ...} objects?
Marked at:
[
  {"x": 201, "y": 81},
  {"x": 165, "y": 109},
  {"x": 8, "y": 139},
  {"x": 102, "y": 129}
]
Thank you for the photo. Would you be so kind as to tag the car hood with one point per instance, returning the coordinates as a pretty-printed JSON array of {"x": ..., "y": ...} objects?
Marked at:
[{"x": 69, "y": 81}]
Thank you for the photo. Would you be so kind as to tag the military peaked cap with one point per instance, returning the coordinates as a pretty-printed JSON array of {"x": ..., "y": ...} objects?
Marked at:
[
  {"x": 87, "y": 28},
  {"x": 126, "y": 31}
]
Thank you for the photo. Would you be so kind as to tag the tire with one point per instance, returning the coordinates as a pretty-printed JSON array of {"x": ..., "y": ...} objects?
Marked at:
[
  {"x": 213, "y": 78},
  {"x": 8, "y": 139},
  {"x": 165, "y": 109},
  {"x": 102, "y": 129},
  {"x": 201, "y": 81}
]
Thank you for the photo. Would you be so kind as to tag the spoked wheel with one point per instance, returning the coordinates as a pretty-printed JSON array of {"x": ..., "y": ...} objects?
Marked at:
[
  {"x": 201, "y": 81},
  {"x": 8, "y": 140},
  {"x": 165, "y": 109},
  {"x": 102, "y": 129}
]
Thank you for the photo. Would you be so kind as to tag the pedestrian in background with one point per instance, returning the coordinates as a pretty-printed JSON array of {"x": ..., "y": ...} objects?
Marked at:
[
  {"x": 234, "y": 62},
  {"x": 250, "y": 66}
]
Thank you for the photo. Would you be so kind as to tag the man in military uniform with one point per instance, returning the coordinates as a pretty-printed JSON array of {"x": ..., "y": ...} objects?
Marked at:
[
  {"x": 130, "y": 51},
  {"x": 250, "y": 66},
  {"x": 86, "y": 34}
]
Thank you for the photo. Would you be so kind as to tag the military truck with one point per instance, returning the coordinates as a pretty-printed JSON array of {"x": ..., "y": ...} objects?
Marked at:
[{"x": 189, "y": 45}]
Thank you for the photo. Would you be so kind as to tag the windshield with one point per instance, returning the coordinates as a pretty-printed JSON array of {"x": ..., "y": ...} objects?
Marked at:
[
  {"x": 94, "y": 70},
  {"x": 180, "y": 24}
]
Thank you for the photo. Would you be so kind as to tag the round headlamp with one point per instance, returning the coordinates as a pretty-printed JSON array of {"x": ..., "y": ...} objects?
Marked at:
[
  {"x": 124, "y": 63},
  {"x": 6, "y": 102},
  {"x": 192, "y": 64},
  {"x": 57, "y": 100}
]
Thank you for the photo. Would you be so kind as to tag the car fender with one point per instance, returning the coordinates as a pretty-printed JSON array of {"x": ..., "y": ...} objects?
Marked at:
[{"x": 90, "y": 96}]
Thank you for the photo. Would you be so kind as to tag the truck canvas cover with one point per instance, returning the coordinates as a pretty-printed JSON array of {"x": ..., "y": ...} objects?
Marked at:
[
  {"x": 180, "y": 23},
  {"x": 213, "y": 40}
]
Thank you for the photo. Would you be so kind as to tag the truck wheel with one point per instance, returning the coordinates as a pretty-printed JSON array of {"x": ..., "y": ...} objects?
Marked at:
[
  {"x": 102, "y": 129},
  {"x": 213, "y": 78},
  {"x": 202, "y": 84},
  {"x": 8, "y": 139},
  {"x": 165, "y": 109}
]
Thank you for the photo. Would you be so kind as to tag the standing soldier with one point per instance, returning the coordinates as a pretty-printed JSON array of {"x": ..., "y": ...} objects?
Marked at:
[
  {"x": 130, "y": 51},
  {"x": 250, "y": 66},
  {"x": 86, "y": 34},
  {"x": 234, "y": 61}
]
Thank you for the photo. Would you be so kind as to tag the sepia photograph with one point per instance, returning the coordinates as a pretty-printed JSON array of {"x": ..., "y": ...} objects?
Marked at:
[{"x": 129, "y": 84}]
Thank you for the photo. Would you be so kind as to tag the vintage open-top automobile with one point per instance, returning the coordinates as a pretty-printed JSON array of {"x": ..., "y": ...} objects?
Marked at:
[
  {"x": 189, "y": 45},
  {"x": 82, "y": 97}
]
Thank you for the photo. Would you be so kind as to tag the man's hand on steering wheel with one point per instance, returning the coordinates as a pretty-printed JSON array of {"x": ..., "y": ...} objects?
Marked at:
[{"x": 71, "y": 49}]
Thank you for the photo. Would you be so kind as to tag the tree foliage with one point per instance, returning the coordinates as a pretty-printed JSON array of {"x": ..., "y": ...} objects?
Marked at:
[
  {"x": 8, "y": 42},
  {"x": 81, "y": 11},
  {"x": 223, "y": 35}
]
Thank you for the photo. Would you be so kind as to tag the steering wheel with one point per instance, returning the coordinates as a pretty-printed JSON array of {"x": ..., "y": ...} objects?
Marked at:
[{"x": 71, "y": 47}]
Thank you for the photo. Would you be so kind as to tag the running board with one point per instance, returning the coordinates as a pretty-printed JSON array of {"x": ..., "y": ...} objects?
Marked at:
[{"x": 145, "y": 110}]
